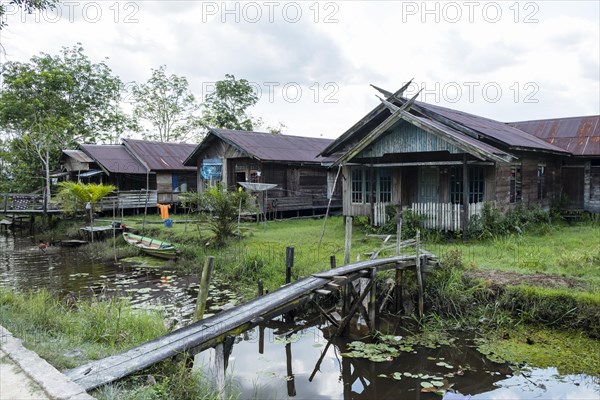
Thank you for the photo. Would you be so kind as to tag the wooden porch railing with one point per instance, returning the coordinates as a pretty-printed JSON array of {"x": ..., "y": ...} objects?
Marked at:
[
  {"x": 21, "y": 201},
  {"x": 130, "y": 199},
  {"x": 444, "y": 216}
]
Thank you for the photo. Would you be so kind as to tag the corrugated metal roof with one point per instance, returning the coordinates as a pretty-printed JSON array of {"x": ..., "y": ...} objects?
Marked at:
[
  {"x": 271, "y": 147},
  {"x": 496, "y": 130},
  {"x": 578, "y": 135},
  {"x": 78, "y": 155},
  {"x": 160, "y": 156},
  {"x": 114, "y": 158}
]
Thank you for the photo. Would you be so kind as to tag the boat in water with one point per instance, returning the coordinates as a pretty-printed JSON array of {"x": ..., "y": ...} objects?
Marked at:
[{"x": 150, "y": 246}]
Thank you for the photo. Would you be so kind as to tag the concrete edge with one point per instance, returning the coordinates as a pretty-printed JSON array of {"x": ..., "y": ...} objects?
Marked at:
[{"x": 52, "y": 381}]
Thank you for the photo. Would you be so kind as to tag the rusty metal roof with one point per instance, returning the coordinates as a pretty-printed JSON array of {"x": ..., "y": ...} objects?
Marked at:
[
  {"x": 78, "y": 155},
  {"x": 267, "y": 146},
  {"x": 113, "y": 158},
  {"x": 161, "y": 156},
  {"x": 577, "y": 135},
  {"x": 476, "y": 126},
  {"x": 495, "y": 130}
]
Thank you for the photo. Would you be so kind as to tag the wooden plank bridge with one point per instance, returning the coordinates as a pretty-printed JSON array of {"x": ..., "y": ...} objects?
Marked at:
[{"x": 212, "y": 331}]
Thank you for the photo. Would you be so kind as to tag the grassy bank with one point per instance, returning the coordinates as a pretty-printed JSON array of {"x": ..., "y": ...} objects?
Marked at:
[{"x": 70, "y": 334}]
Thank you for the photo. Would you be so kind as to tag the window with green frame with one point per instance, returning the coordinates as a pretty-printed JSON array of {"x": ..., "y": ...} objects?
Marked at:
[
  {"x": 361, "y": 185},
  {"x": 476, "y": 184}
]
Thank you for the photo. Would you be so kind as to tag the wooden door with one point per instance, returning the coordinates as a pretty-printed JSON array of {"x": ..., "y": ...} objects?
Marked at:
[{"x": 572, "y": 186}]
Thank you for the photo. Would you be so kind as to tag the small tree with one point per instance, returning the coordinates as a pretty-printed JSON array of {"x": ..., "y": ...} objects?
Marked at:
[
  {"x": 223, "y": 207},
  {"x": 75, "y": 195}
]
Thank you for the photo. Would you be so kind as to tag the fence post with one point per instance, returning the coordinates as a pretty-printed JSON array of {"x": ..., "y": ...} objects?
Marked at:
[{"x": 289, "y": 264}]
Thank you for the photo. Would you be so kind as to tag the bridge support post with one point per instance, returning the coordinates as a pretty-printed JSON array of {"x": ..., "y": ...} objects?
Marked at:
[{"x": 220, "y": 371}]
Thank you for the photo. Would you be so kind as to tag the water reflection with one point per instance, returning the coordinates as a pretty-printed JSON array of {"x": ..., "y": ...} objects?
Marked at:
[
  {"x": 283, "y": 369},
  {"x": 276, "y": 361}
]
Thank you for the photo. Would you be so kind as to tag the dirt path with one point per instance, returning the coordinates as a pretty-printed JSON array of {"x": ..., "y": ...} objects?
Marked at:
[{"x": 505, "y": 278}]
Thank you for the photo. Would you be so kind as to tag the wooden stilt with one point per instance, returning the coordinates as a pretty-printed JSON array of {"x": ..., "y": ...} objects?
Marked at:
[{"x": 332, "y": 262}]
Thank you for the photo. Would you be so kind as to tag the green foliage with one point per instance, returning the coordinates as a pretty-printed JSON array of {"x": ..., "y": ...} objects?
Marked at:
[
  {"x": 28, "y": 6},
  {"x": 75, "y": 195},
  {"x": 99, "y": 328},
  {"x": 411, "y": 221},
  {"x": 227, "y": 106},
  {"x": 168, "y": 104},
  {"x": 53, "y": 102},
  {"x": 555, "y": 307},
  {"x": 223, "y": 207},
  {"x": 492, "y": 222}
]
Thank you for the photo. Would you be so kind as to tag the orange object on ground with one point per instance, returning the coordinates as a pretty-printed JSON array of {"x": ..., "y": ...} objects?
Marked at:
[{"x": 164, "y": 210}]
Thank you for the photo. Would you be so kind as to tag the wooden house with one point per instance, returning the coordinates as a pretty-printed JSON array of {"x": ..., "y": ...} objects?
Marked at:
[
  {"x": 165, "y": 160},
  {"x": 579, "y": 174},
  {"x": 144, "y": 172},
  {"x": 443, "y": 163},
  {"x": 289, "y": 162}
]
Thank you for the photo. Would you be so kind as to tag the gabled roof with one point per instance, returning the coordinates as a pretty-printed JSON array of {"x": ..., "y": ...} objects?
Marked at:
[
  {"x": 266, "y": 146},
  {"x": 577, "y": 135},
  {"x": 78, "y": 155},
  {"x": 469, "y": 125},
  {"x": 113, "y": 158},
  {"x": 161, "y": 156}
]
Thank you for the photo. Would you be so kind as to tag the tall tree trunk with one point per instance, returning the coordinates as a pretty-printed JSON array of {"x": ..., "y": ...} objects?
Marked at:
[{"x": 47, "y": 188}]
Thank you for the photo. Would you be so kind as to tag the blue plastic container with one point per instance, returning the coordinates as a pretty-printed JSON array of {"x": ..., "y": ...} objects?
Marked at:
[{"x": 168, "y": 223}]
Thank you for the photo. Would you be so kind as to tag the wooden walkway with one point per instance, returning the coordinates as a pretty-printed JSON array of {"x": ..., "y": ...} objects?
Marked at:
[{"x": 211, "y": 331}]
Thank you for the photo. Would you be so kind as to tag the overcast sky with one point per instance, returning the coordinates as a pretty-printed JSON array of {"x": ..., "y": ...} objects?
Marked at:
[{"x": 312, "y": 62}]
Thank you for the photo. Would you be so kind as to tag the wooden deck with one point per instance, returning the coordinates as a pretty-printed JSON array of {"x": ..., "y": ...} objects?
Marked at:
[{"x": 211, "y": 331}]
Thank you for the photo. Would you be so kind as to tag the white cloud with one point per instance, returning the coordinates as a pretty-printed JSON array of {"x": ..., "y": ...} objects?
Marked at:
[{"x": 553, "y": 46}]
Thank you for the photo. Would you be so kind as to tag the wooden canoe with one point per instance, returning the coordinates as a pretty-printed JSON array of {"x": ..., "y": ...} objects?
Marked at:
[{"x": 150, "y": 246}]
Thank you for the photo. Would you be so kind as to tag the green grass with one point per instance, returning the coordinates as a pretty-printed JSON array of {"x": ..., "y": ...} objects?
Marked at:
[
  {"x": 571, "y": 251},
  {"x": 68, "y": 336}
]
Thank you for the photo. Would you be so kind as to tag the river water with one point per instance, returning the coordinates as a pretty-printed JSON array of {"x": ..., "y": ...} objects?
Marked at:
[{"x": 277, "y": 360}]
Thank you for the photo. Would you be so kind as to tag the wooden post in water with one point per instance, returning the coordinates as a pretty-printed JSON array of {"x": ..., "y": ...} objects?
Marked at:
[
  {"x": 399, "y": 272},
  {"x": 373, "y": 301},
  {"x": 204, "y": 285},
  {"x": 289, "y": 264},
  {"x": 418, "y": 271},
  {"x": 348, "y": 241},
  {"x": 291, "y": 385}
]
